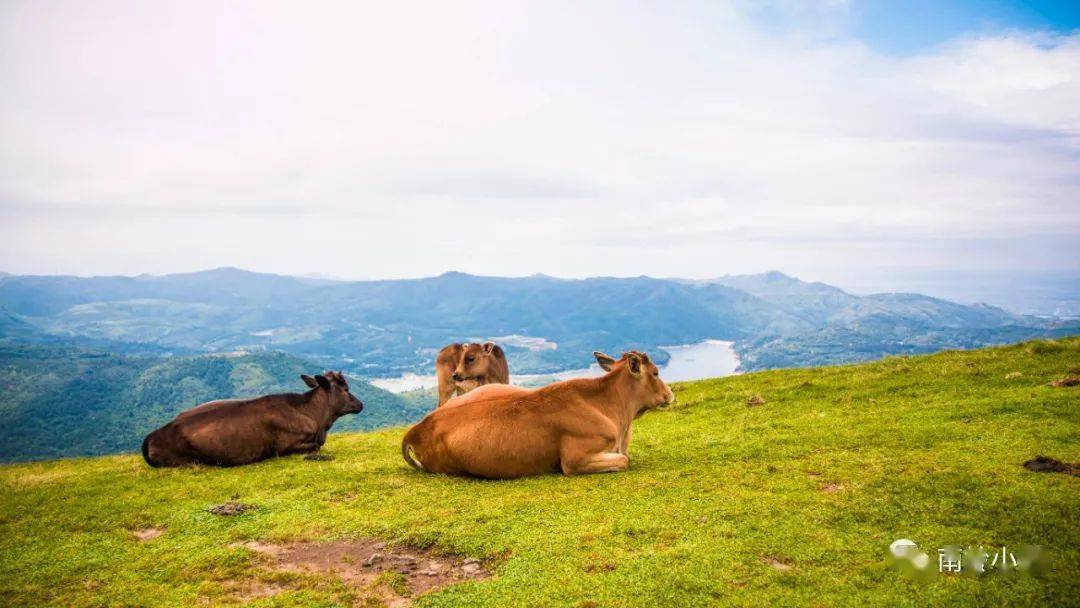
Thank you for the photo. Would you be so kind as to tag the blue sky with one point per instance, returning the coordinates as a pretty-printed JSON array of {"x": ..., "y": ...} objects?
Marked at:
[
  {"x": 837, "y": 141},
  {"x": 905, "y": 27},
  {"x": 910, "y": 26}
]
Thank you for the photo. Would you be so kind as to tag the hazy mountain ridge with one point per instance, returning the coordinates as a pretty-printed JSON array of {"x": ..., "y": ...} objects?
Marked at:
[
  {"x": 847, "y": 328},
  {"x": 390, "y": 326}
]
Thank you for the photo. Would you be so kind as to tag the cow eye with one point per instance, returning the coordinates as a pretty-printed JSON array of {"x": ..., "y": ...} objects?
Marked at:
[{"x": 469, "y": 359}]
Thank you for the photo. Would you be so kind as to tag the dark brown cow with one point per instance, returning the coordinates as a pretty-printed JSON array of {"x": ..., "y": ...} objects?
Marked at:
[
  {"x": 462, "y": 367},
  {"x": 576, "y": 426},
  {"x": 241, "y": 431}
]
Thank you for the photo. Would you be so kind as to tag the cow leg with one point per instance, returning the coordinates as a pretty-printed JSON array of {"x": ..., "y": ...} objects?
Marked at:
[
  {"x": 625, "y": 447},
  {"x": 295, "y": 441},
  {"x": 583, "y": 456},
  {"x": 305, "y": 446},
  {"x": 604, "y": 462},
  {"x": 312, "y": 446}
]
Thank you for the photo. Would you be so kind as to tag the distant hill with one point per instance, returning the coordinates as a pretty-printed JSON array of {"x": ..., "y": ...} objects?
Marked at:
[
  {"x": 812, "y": 302},
  {"x": 13, "y": 327},
  {"x": 379, "y": 328},
  {"x": 845, "y": 328},
  {"x": 66, "y": 401}
]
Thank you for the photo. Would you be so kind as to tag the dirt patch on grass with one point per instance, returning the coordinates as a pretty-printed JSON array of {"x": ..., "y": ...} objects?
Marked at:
[
  {"x": 1045, "y": 464},
  {"x": 249, "y": 591},
  {"x": 1066, "y": 381},
  {"x": 393, "y": 575},
  {"x": 230, "y": 508},
  {"x": 832, "y": 488},
  {"x": 599, "y": 565},
  {"x": 755, "y": 400},
  {"x": 145, "y": 534},
  {"x": 778, "y": 562}
]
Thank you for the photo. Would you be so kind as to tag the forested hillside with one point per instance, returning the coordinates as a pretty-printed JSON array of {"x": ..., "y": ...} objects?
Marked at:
[{"x": 65, "y": 401}]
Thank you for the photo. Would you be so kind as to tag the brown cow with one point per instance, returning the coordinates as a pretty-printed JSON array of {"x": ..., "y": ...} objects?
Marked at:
[
  {"x": 575, "y": 426},
  {"x": 241, "y": 431},
  {"x": 462, "y": 367}
]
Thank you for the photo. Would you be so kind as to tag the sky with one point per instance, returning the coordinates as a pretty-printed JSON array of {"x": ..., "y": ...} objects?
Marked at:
[{"x": 853, "y": 142}]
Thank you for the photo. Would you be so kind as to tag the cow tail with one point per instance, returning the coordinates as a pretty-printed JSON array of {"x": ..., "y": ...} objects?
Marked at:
[
  {"x": 409, "y": 455},
  {"x": 146, "y": 451}
]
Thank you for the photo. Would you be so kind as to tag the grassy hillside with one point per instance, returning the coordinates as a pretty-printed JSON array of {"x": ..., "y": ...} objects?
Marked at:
[
  {"x": 62, "y": 401},
  {"x": 793, "y": 502}
]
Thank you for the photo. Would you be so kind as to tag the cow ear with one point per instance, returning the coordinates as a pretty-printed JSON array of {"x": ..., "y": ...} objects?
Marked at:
[
  {"x": 488, "y": 347},
  {"x": 633, "y": 361},
  {"x": 308, "y": 380},
  {"x": 605, "y": 361},
  {"x": 323, "y": 382}
]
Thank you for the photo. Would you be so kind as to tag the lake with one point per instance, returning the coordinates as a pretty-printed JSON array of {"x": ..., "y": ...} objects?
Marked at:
[{"x": 706, "y": 359}]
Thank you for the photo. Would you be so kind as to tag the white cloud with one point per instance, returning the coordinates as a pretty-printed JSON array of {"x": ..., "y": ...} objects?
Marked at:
[
  {"x": 1029, "y": 80},
  {"x": 507, "y": 138}
]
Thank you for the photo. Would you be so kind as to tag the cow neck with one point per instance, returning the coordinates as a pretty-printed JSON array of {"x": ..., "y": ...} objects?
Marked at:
[
  {"x": 317, "y": 406},
  {"x": 621, "y": 410}
]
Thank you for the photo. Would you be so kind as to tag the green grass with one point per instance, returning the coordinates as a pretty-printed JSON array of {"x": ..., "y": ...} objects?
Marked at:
[{"x": 927, "y": 448}]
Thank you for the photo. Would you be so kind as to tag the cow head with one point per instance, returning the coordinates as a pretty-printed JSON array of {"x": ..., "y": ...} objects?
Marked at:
[
  {"x": 475, "y": 365},
  {"x": 339, "y": 398},
  {"x": 647, "y": 390}
]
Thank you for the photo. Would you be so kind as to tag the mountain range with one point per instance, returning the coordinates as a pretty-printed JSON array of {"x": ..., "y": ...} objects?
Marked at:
[{"x": 381, "y": 328}]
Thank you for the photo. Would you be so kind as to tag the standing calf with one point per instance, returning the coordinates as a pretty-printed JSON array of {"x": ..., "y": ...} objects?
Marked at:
[
  {"x": 241, "y": 431},
  {"x": 576, "y": 426},
  {"x": 462, "y": 367}
]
